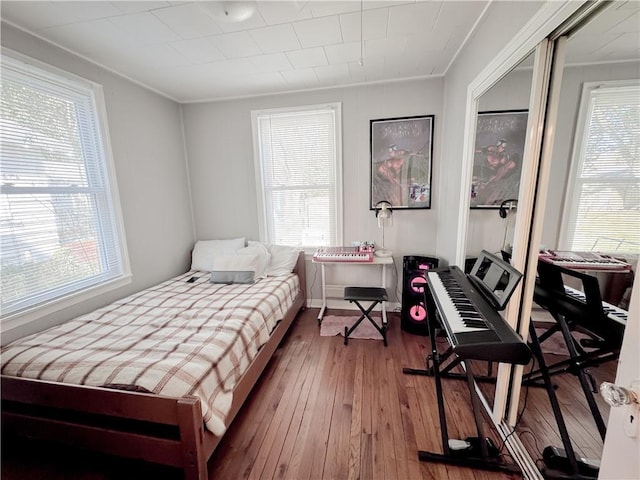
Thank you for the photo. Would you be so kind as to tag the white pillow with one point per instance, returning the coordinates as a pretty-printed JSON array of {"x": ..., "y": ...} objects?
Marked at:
[
  {"x": 205, "y": 251},
  {"x": 234, "y": 269},
  {"x": 264, "y": 257},
  {"x": 283, "y": 259}
]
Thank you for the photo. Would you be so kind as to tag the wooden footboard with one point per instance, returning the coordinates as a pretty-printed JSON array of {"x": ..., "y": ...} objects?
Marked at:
[
  {"x": 150, "y": 427},
  {"x": 136, "y": 425}
]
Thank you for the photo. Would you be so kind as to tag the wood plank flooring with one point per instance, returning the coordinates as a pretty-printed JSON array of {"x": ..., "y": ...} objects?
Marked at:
[
  {"x": 326, "y": 410},
  {"x": 538, "y": 427},
  {"x": 323, "y": 410}
]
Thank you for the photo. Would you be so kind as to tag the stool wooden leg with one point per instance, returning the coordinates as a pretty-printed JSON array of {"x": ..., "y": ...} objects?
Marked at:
[{"x": 346, "y": 335}]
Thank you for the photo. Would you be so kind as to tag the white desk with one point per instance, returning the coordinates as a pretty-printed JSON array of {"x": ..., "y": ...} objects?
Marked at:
[{"x": 377, "y": 262}]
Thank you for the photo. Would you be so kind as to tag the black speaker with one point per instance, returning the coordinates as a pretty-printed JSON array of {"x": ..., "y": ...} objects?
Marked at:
[{"x": 413, "y": 318}]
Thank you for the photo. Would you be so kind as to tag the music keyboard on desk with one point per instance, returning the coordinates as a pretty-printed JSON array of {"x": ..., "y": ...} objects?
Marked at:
[
  {"x": 342, "y": 254},
  {"x": 475, "y": 329},
  {"x": 584, "y": 261}
]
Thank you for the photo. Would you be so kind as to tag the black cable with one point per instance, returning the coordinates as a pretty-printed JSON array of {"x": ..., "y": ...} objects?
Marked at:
[
  {"x": 395, "y": 274},
  {"x": 524, "y": 406},
  {"x": 314, "y": 278},
  {"x": 535, "y": 442}
]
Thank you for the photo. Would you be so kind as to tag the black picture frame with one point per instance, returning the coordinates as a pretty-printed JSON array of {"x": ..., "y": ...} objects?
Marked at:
[
  {"x": 401, "y": 156},
  {"x": 497, "y": 162}
]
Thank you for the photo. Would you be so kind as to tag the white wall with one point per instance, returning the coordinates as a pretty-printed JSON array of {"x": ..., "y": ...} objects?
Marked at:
[
  {"x": 148, "y": 150},
  {"x": 501, "y": 22},
  {"x": 221, "y": 164}
]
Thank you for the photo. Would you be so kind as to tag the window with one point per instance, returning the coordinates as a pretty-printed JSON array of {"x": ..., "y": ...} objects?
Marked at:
[
  {"x": 59, "y": 229},
  {"x": 603, "y": 211},
  {"x": 298, "y": 172}
]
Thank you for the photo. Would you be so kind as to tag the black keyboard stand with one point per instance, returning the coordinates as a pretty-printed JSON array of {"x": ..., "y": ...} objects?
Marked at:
[
  {"x": 576, "y": 364},
  {"x": 579, "y": 361},
  {"x": 481, "y": 453},
  {"x": 572, "y": 468},
  {"x": 587, "y": 312},
  {"x": 446, "y": 371}
]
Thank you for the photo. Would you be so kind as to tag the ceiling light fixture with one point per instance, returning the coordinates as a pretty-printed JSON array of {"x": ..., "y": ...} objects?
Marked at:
[{"x": 230, "y": 11}]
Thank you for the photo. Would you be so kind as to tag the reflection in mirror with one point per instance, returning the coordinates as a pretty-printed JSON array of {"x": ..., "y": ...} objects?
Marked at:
[
  {"x": 594, "y": 178},
  {"x": 499, "y": 145}
]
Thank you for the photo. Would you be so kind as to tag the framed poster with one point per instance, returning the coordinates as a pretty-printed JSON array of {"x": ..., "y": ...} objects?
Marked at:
[
  {"x": 497, "y": 164},
  {"x": 401, "y": 151}
]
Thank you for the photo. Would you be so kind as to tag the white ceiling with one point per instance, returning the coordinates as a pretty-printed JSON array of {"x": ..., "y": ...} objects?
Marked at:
[
  {"x": 613, "y": 36},
  {"x": 183, "y": 51}
]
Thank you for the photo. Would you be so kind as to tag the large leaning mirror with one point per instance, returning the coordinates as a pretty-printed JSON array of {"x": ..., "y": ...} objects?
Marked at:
[{"x": 592, "y": 208}]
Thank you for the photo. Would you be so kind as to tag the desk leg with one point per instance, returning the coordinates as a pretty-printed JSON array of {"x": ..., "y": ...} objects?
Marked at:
[
  {"x": 384, "y": 304},
  {"x": 324, "y": 295}
]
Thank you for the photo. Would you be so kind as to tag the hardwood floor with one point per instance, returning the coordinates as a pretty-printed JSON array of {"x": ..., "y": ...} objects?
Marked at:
[
  {"x": 320, "y": 410},
  {"x": 538, "y": 423}
]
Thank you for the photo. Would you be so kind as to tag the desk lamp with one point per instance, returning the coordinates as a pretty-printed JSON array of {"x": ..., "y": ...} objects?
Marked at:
[{"x": 384, "y": 214}]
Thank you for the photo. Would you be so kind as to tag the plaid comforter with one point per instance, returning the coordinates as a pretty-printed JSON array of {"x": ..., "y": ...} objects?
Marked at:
[{"x": 174, "y": 339}]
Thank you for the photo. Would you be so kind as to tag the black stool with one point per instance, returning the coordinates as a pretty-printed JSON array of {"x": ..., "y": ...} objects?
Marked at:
[{"x": 375, "y": 295}]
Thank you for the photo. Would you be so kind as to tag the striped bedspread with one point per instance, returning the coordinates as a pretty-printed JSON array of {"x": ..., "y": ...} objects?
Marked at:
[{"x": 174, "y": 339}]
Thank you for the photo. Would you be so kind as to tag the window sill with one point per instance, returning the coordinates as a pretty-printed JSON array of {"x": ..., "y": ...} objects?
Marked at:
[{"x": 12, "y": 323}]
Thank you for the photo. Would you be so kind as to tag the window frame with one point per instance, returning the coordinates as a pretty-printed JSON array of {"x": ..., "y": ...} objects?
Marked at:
[
  {"x": 40, "y": 310},
  {"x": 570, "y": 207},
  {"x": 336, "y": 107}
]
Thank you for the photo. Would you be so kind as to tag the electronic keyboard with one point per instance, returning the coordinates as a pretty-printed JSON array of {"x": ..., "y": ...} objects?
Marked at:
[
  {"x": 342, "y": 254},
  {"x": 474, "y": 328},
  {"x": 583, "y": 307},
  {"x": 584, "y": 261},
  {"x": 475, "y": 331},
  {"x": 614, "y": 313}
]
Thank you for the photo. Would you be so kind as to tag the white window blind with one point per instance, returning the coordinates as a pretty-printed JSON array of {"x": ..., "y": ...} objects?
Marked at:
[
  {"x": 57, "y": 227},
  {"x": 604, "y": 208},
  {"x": 299, "y": 175}
]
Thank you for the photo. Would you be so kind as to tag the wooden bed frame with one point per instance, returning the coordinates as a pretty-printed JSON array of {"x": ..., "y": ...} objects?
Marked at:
[{"x": 154, "y": 428}]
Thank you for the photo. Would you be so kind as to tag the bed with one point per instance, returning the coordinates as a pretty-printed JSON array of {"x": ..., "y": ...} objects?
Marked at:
[{"x": 166, "y": 397}]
